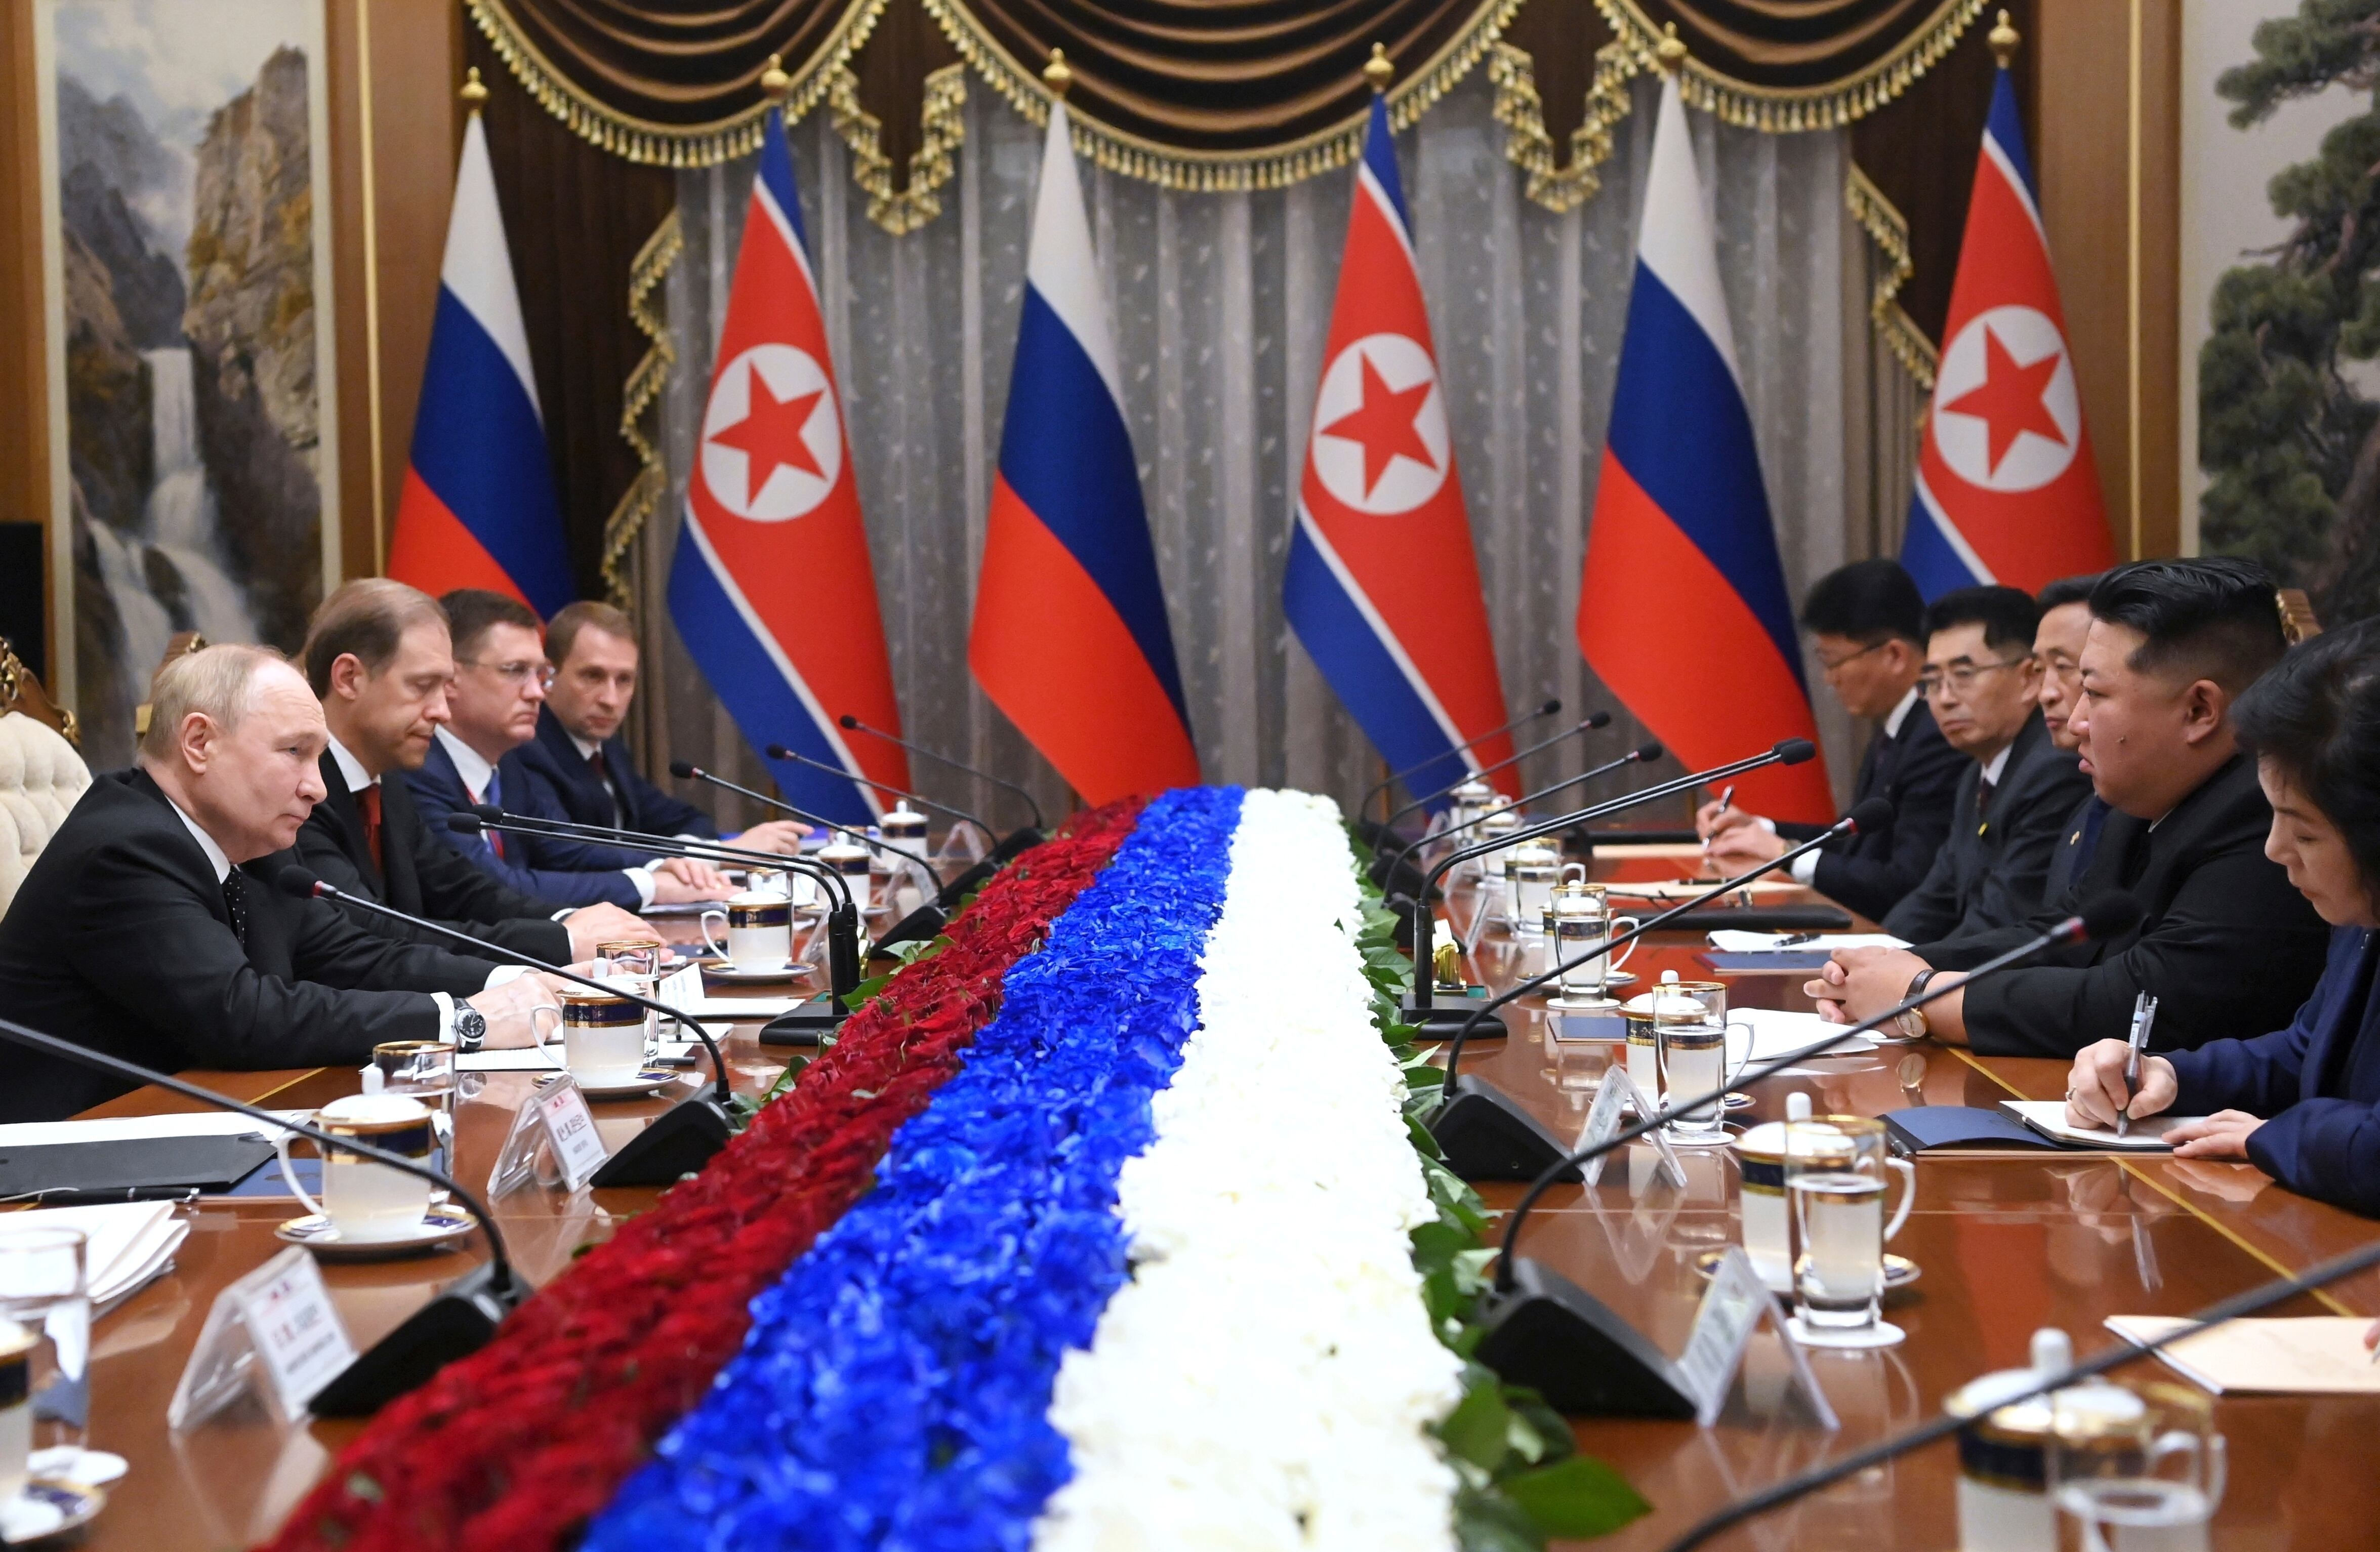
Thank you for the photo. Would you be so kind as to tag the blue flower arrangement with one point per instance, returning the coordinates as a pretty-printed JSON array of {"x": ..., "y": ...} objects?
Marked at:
[{"x": 894, "y": 1388}]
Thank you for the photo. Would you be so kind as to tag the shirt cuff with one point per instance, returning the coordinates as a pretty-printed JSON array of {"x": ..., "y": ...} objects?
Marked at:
[
  {"x": 504, "y": 972},
  {"x": 1766, "y": 824},
  {"x": 563, "y": 914},
  {"x": 445, "y": 1016},
  {"x": 643, "y": 878},
  {"x": 1805, "y": 870}
]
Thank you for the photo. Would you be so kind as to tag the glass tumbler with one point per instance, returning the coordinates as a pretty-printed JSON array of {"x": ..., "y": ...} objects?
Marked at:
[{"x": 44, "y": 1289}]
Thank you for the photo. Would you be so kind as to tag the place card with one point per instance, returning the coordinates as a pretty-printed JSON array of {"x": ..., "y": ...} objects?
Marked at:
[
  {"x": 1733, "y": 1307},
  {"x": 1616, "y": 1091},
  {"x": 273, "y": 1332},
  {"x": 557, "y": 1116}
]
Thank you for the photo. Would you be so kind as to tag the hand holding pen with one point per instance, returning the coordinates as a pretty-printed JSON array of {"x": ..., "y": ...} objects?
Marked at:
[{"x": 2144, "y": 1019}]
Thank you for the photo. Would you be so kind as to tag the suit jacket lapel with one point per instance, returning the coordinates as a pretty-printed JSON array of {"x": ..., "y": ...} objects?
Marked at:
[{"x": 342, "y": 806}]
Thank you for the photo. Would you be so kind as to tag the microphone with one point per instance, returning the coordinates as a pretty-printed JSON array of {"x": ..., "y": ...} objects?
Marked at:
[
  {"x": 1551, "y": 706},
  {"x": 1421, "y": 1010},
  {"x": 1543, "y": 1330},
  {"x": 1584, "y": 724},
  {"x": 684, "y": 771},
  {"x": 680, "y": 1140},
  {"x": 457, "y": 1322},
  {"x": 1482, "y": 1131},
  {"x": 854, "y": 724},
  {"x": 800, "y": 1026},
  {"x": 1004, "y": 848},
  {"x": 2279, "y": 1290},
  {"x": 1648, "y": 750}
]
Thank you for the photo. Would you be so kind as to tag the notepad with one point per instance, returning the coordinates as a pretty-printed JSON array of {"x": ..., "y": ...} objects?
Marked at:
[
  {"x": 124, "y": 1244},
  {"x": 2031, "y": 1125},
  {"x": 2310, "y": 1355},
  {"x": 1776, "y": 1033},
  {"x": 1728, "y": 941},
  {"x": 528, "y": 1058},
  {"x": 2048, "y": 1118}
]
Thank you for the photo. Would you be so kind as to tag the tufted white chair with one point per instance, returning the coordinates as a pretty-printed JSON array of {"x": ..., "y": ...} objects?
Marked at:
[{"x": 41, "y": 777}]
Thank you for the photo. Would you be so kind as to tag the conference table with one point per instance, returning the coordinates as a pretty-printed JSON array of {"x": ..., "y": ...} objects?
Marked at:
[{"x": 2004, "y": 1243}]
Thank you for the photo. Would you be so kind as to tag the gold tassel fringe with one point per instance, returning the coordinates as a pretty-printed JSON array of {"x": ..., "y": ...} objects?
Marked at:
[
  {"x": 645, "y": 383},
  {"x": 1888, "y": 229},
  {"x": 931, "y": 166}
]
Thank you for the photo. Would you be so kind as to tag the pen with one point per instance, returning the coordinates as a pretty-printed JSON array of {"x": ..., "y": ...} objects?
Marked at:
[
  {"x": 1726, "y": 801},
  {"x": 2143, "y": 1015}
]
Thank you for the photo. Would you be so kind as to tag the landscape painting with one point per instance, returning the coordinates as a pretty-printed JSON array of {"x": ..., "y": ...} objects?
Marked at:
[{"x": 194, "y": 463}]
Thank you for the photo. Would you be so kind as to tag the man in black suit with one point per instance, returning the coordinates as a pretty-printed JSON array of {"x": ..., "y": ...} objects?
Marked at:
[
  {"x": 377, "y": 655},
  {"x": 2224, "y": 942},
  {"x": 152, "y": 928},
  {"x": 578, "y": 761},
  {"x": 2058, "y": 642},
  {"x": 1868, "y": 623},
  {"x": 1980, "y": 681}
]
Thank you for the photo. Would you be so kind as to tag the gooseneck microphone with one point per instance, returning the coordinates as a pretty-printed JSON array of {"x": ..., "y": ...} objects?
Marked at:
[
  {"x": 1552, "y": 705},
  {"x": 926, "y": 921},
  {"x": 1422, "y": 1009},
  {"x": 681, "y": 1139},
  {"x": 795, "y": 757},
  {"x": 853, "y": 724},
  {"x": 1543, "y": 1330},
  {"x": 1482, "y": 1132},
  {"x": 457, "y": 1322},
  {"x": 684, "y": 771},
  {"x": 1003, "y": 846},
  {"x": 1586, "y": 724},
  {"x": 1646, "y": 752}
]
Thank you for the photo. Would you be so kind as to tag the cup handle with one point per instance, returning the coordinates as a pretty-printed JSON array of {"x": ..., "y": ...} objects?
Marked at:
[
  {"x": 1908, "y": 1172},
  {"x": 289, "y": 1173},
  {"x": 1732, "y": 1026},
  {"x": 544, "y": 1034},
  {"x": 713, "y": 944},
  {"x": 1611, "y": 930}
]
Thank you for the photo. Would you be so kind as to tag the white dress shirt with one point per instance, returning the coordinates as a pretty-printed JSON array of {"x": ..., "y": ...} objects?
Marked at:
[{"x": 475, "y": 770}]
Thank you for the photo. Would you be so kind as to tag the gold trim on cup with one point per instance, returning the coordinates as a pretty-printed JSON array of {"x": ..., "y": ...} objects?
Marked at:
[
  {"x": 593, "y": 1010},
  {"x": 759, "y": 914}
]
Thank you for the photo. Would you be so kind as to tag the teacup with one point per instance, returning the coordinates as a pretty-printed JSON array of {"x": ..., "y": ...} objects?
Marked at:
[
  {"x": 604, "y": 1038},
  {"x": 363, "y": 1199},
  {"x": 759, "y": 931},
  {"x": 849, "y": 858}
]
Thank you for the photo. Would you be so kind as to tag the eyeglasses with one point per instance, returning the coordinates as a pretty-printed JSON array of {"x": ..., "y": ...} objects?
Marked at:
[
  {"x": 1831, "y": 665},
  {"x": 1962, "y": 677},
  {"x": 514, "y": 672}
]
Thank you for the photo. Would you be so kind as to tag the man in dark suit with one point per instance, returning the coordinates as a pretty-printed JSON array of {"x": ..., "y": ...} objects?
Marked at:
[
  {"x": 2223, "y": 942},
  {"x": 1980, "y": 680},
  {"x": 578, "y": 761},
  {"x": 2057, "y": 643},
  {"x": 153, "y": 929},
  {"x": 377, "y": 655},
  {"x": 500, "y": 682},
  {"x": 1867, "y": 624}
]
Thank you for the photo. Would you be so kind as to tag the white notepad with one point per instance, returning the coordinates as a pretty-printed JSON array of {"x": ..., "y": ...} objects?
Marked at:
[
  {"x": 2310, "y": 1355},
  {"x": 125, "y": 1128},
  {"x": 528, "y": 1058},
  {"x": 1728, "y": 939},
  {"x": 124, "y": 1244},
  {"x": 2048, "y": 1118},
  {"x": 1777, "y": 1033}
]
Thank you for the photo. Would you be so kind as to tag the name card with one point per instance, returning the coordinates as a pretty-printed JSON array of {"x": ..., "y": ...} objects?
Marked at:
[
  {"x": 1617, "y": 1091},
  {"x": 681, "y": 991},
  {"x": 275, "y": 1333},
  {"x": 557, "y": 1117},
  {"x": 1732, "y": 1309}
]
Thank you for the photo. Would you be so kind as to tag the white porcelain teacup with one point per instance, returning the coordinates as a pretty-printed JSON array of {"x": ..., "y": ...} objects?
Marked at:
[
  {"x": 365, "y": 1200},
  {"x": 759, "y": 931},
  {"x": 604, "y": 1038}
]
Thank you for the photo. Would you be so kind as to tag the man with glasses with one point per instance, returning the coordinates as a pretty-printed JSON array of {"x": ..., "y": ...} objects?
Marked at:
[
  {"x": 1981, "y": 680},
  {"x": 500, "y": 681},
  {"x": 1866, "y": 625},
  {"x": 2065, "y": 607}
]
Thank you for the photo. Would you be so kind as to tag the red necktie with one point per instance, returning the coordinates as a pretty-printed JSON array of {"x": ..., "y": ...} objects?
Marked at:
[{"x": 368, "y": 808}]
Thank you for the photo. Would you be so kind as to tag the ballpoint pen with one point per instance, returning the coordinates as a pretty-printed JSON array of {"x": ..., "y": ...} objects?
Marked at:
[
  {"x": 1726, "y": 801},
  {"x": 2144, "y": 1019}
]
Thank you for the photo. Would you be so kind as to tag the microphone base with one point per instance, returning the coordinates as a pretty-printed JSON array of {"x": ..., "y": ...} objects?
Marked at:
[
  {"x": 920, "y": 925},
  {"x": 804, "y": 1025},
  {"x": 1439, "y": 1018},
  {"x": 967, "y": 883},
  {"x": 680, "y": 1141},
  {"x": 1551, "y": 1334},
  {"x": 455, "y": 1324},
  {"x": 1486, "y": 1135},
  {"x": 1023, "y": 839}
]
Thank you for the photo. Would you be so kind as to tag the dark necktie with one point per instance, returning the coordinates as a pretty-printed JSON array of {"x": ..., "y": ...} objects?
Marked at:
[
  {"x": 603, "y": 779},
  {"x": 234, "y": 891},
  {"x": 368, "y": 809},
  {"x": 493, "y": 796}
]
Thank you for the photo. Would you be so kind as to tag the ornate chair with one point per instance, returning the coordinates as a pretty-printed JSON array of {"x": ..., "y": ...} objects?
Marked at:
[{"x": 40, "y": 774}]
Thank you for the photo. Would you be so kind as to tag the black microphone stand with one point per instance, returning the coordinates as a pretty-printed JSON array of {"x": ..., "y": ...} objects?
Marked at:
[
  {"x": 1003, "y": 847},
  {"x": 457, "y": 1322},
  {"x": 1388, "y": 826},
  {"x": 944, "y": 895},
  {"x": 853, "y": 724},
  {"x": 1380, "y": 787},
  {"x": 1397, "y": 865},
  {"x": 1422, "y": 1009},
  {"x": 1542, "y": 1330},
  {"x": 1484, "y": 1132},
  {"x": 679, "y": 1140}
]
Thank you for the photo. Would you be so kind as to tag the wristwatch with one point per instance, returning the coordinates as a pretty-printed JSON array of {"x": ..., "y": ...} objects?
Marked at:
[
  {"x": 1913, "y": 1023},
  {"x": 470, "y": 1028}
]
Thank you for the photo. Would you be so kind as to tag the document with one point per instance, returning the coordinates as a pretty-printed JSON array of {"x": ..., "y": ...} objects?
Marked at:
[
  {"x": 122, "y": 1129},
  {"x": 528, "y": 1058},
  {"x": 2312, "y": 1355},
  {"x": 1728, "y": 941},
  {"x": 1776, "y": 1033},
  {"x": 2048, "y": 1118},
  {"x": 124, "y": 1244}
]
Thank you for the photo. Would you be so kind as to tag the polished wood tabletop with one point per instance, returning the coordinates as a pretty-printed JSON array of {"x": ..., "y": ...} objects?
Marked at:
[{"x": 2004, "y": 1244}]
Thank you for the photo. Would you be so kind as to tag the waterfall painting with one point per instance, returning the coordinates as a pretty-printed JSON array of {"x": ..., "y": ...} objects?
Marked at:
[{"x": 193, "y": 457}]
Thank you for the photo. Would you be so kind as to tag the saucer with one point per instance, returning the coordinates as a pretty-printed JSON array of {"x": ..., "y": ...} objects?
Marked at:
[
  {"x": 48, "y": 1512},
  {"x": 1738, "y": 1101},
  {"x": 1900, "y": 1271},
  {"x": 725, "y": 971},
  {"x": 439, "y": 1226},
  {"x": 653, "y": 1080},
  {"x": 1582, "y": 1004},
  {"x": 1883, "y": 1333}
]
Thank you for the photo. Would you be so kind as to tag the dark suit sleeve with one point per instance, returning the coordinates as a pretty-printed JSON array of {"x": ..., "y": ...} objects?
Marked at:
[
  {"x": 486, "y": 906},
  {"x": 662, "y": 813},
  {"x": 2015, "y": 886},
  {"x": 1924, "y": 793},
  {"x": 2234, "y": 930},
  {"x": 2329, "y": 1150},
  {"x": 2259, "y": 1076},
  {"x": 561, "y": 886},
  {"x": 532, "y": 791},
  {"x": 1931, "y": 910}
]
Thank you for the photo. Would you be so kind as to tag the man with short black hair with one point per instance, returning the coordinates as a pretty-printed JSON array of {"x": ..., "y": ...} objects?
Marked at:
[
  {"x": 1867, "y": 623},
  {"x": 2014, "y": 796},
  {"x": 2058, "y": 642},
  {"x": 2224, "y": 942}
]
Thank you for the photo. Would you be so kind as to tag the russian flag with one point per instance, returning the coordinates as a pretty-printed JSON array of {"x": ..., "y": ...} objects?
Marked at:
[
  {"x": 478, "y": 509},
  {"x": 2007, "y": 489},
  {"x": 1070, "y": 637},
  {"x": 772, "y": 587},
  {"x": 1681, "y": 609},
  {"x": 1382, "y": 587}
]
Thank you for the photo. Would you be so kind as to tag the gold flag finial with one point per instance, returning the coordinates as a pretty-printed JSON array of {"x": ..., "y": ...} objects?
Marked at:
[
  {"x": 473, "y": 93},
  {"x": 1377, "y": 69},
  {"x": 2004, "y": 39},
  {"x": 1057, "y": 75},
  {"x": 775, "y": 82},
  {"x": 1668, "y": 53}
]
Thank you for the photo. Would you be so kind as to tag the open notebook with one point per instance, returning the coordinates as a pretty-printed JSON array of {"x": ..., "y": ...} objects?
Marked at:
[
  {"x": 2312, "y": 1355},
  {"x": 2018, "y": 1124}
]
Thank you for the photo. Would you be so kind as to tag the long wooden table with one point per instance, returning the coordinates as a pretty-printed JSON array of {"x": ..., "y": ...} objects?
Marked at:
[{"x": 2005, "y": 1245}]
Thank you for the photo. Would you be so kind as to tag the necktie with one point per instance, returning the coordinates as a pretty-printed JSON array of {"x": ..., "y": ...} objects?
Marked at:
[
  {"x": 368, "y": 809},
  {"x": 234, "y": 892},
  {"x": 494, "y": 796},
  {"x": 603, "y": 779}
]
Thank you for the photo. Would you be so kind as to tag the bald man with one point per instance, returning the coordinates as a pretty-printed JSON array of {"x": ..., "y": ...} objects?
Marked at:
[{"x": 152, "y": 928}]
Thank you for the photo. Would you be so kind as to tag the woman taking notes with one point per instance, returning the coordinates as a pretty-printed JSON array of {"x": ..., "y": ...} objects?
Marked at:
[{"x": 2301, "y": 1104}]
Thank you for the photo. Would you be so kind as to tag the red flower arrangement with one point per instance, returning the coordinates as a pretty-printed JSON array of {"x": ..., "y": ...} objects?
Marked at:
[{"x": 518, "y": 1445}]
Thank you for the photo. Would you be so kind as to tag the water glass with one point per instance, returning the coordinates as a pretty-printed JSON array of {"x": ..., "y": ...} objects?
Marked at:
[
  {"x": 45, "y": 1291},
  {"x": 2134, "y": 1468},
  {"x": 1835, "y": 1170},
  {"x": 414, "y": 1066},
  {"x": 1532, "y": 872},
  {"x": 1694, "y": 1062}
]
